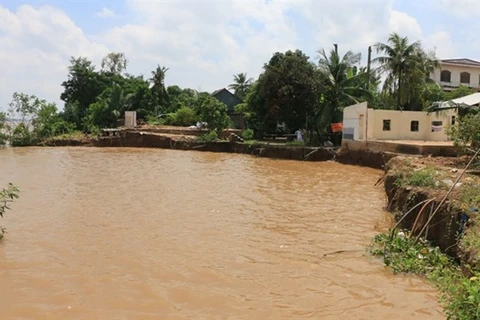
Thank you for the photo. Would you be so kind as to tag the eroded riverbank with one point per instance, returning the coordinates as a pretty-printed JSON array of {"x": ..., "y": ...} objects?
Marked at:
[{"x": 142, "y": 233}]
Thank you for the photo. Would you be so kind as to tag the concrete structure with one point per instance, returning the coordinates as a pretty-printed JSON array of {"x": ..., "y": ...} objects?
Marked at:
[
  {"x": 130, "y": 119},
  {"x": 455, "y": 72},
  {"x": 361, "y": 123},
  {"x": 230, "y": 100}
]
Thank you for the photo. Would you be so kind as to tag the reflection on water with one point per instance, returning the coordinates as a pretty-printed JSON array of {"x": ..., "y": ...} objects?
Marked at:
[{"x": 161, "y": 234}]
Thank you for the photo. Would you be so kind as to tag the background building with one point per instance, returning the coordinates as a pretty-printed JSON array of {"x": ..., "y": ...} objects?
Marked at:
[{"x": 455, "y": 72}]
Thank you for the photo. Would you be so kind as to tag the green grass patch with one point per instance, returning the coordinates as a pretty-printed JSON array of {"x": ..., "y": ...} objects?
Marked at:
[
  {"x": 76, "y": 135},
  {"x": 427, "y": 177},
  {"x": 459, "y": 294},
  {"x": 208, "y": 137}
]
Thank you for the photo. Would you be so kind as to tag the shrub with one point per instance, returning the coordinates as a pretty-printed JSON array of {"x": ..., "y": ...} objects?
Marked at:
[
  {"x": 209, "y": 137},
  {"x": 247, "y": 134},
  {"x": 466, "y": 132},
  {"x": 7, "y": 196},
  {"x": 214, "y": 113},
  {"x": 184, "y": 116},
  {"x": 22, "y": 136},
  {"x": 425, "y": 177}
]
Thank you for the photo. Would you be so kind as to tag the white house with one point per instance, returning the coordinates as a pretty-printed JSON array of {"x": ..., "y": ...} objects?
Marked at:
[
  {"x": 361, "y": 123},
  {"x": 455, "y": 72}
]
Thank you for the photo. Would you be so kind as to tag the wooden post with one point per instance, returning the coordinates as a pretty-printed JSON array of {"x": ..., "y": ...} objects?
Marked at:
[{"x": 369, "y": 60}]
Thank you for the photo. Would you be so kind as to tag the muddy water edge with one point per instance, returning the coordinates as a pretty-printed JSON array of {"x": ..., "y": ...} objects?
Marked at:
[{"x": 125, "y": 233}]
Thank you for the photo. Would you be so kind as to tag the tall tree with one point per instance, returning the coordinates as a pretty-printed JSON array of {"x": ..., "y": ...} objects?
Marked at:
[
  {"x": 158, "y": 86},
  {"x": 407, "y": 67},
  {"x": 343, "y": 83},
  {"x": 287, "y": 92},
  {"x": 115, "y": 62},
  {"x": 81, "y": 89},
  {"x": 108, "y": 108},
  {"x": 241, "y": 84}
]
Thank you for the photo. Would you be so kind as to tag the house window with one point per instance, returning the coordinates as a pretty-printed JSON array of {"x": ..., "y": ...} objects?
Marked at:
[
  {"x": 445, "y": 76},
  {"x": 465, "y": 77},
  {"x": 453, "y": 120},
  {"x": 414, "y": 126},
  {"x": 437, "y": 126},
  {"x": 386, "y": 125}
]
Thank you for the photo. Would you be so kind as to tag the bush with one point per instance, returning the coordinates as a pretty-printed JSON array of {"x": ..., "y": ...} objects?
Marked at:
[
  {"x": 7, "y": 196},
  {"x": 425, "y": 177},
  {"x": 466, "y": 132},
  {"x": 248, "y": 134},
  {"x": 22, "y": 136},
  {"x": 209, "y": 137},
  {"x": 184, "y": 116},
  {"x": 214, "y": 113}
]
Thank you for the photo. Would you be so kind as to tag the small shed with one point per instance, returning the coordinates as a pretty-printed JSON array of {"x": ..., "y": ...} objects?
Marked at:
[{"x": 230, "y": 100}]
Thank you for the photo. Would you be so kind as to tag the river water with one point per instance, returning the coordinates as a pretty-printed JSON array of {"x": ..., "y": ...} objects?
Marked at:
[{"x": 162, "y": 234}]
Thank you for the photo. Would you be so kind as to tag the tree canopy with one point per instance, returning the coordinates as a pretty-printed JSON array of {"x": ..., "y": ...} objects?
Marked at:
[{"x": 292, "y": 92}]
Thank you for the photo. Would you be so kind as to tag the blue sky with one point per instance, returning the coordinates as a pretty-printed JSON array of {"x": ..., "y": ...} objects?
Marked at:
[{"x": 203, "y": 43}]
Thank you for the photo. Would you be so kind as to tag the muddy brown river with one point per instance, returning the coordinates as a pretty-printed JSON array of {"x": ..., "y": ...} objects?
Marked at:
[{"x": 162, "y": 234}]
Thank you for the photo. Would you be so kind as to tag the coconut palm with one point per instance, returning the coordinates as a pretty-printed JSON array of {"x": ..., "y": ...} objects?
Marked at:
[
  {"x": 158, "y": 85},
  {"x": 241, "y": 85},
  {"x": 343, "y": 84},
  {"x": 407, "y": 68}
]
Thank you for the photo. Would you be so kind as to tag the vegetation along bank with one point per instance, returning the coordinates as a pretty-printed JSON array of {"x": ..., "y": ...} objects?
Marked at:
[{"x": 437, "y": 236}]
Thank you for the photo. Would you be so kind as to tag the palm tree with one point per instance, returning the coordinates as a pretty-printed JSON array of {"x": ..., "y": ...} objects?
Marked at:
[
  {"x": 343, "y": 84},
  {"x": 158, "y": 85},
  {"x": 407, "y": 67},
  {"x": 241, "y": 85}
]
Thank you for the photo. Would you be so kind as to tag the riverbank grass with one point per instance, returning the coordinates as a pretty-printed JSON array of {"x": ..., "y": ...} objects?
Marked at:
[{"x": 459, "y": 294}]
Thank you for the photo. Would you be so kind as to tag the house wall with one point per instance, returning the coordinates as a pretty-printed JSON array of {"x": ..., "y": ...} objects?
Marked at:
[
  {"x": 400, "y": 125},
  {"x": 455, "y": 76},
  {"x": 361, "y": 123},
  {"x": 354, "y": 125}
]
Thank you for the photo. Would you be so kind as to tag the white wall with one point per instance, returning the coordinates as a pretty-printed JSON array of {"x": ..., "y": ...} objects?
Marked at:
[
  {"x": 455, "y": 75},
  {"x": 351, "y": 121},
  {"x": 400, "y": 125}
]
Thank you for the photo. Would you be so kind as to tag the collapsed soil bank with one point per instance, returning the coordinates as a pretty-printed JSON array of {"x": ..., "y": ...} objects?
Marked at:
[
  {"x": 452, "y": 221},
  {"x": 145, "y": 140}
]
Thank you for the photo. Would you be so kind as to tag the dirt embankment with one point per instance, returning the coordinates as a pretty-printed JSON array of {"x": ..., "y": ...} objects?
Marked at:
[
  {"x": 416, "y": 186},
  {"x": 182, "y": 142}
]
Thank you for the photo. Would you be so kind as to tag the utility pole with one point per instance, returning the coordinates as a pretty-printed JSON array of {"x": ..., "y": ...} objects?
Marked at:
[
  {"x": 336, "y": 48},
  {"x": 369, "y": 60}
]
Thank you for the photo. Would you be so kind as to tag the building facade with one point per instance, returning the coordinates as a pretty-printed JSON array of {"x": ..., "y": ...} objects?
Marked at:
[
  {"x": 455, "y": 72},
  {"x": 361, "y": 123}
]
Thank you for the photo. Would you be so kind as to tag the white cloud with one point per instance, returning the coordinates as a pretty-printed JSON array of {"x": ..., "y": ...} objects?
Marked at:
[
  {"x": 37, "y": 44},
  {"x": 203, "y": 44},
  {"x": 442, "y": 43},
  {"x": 105, "y": 13},
  {"x": 460, "y": 8}
]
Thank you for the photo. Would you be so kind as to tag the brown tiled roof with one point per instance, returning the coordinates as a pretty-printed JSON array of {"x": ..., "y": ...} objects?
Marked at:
[{"x": 462, "y": 61}]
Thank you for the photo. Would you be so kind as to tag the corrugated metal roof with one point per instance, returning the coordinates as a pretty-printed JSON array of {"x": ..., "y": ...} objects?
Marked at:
[
  {"x": 470, "y": 100},
  {"x": 467, "y": 101}
]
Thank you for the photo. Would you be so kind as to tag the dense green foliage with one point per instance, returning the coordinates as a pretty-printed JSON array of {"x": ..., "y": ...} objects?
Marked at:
[
  {"x": 466, "y": 133},
  {"x": 7, "y": 196},
  {"x": 407, "y": 67},
  {"x": 292, "y": 92}
]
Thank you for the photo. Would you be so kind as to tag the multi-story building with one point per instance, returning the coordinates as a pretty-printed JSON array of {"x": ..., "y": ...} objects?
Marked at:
[{"x": 456, "y": 72}]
